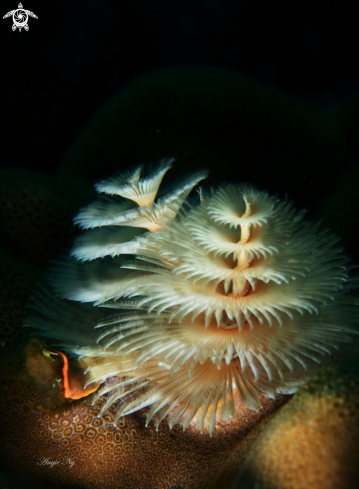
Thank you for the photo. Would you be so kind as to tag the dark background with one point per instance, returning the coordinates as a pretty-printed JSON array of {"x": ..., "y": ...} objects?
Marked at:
[{"x": 78, "y": 53}]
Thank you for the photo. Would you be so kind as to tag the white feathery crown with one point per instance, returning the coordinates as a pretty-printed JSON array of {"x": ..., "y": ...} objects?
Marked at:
[{"x": 217, "y": 301}]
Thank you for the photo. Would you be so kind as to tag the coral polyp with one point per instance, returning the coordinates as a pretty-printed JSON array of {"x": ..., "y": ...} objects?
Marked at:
[{"x": 219, "y": 300}]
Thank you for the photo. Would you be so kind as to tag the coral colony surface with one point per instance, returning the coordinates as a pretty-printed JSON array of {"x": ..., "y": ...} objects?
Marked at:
[{"x": 217, "y": 298}]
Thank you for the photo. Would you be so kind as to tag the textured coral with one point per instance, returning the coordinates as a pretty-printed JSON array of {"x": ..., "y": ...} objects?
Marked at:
[
  {"x": 230, "y": 297},
  {"x": 90, "y": 450}
]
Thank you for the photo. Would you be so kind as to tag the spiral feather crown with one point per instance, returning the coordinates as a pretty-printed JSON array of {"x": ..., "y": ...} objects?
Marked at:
[{"x": 219, "y": 301}]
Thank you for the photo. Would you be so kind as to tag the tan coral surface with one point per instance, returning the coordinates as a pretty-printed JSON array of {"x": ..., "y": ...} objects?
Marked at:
[
  {"x": 312, "y": 442},
  {"x": 76, "y": 446}
]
